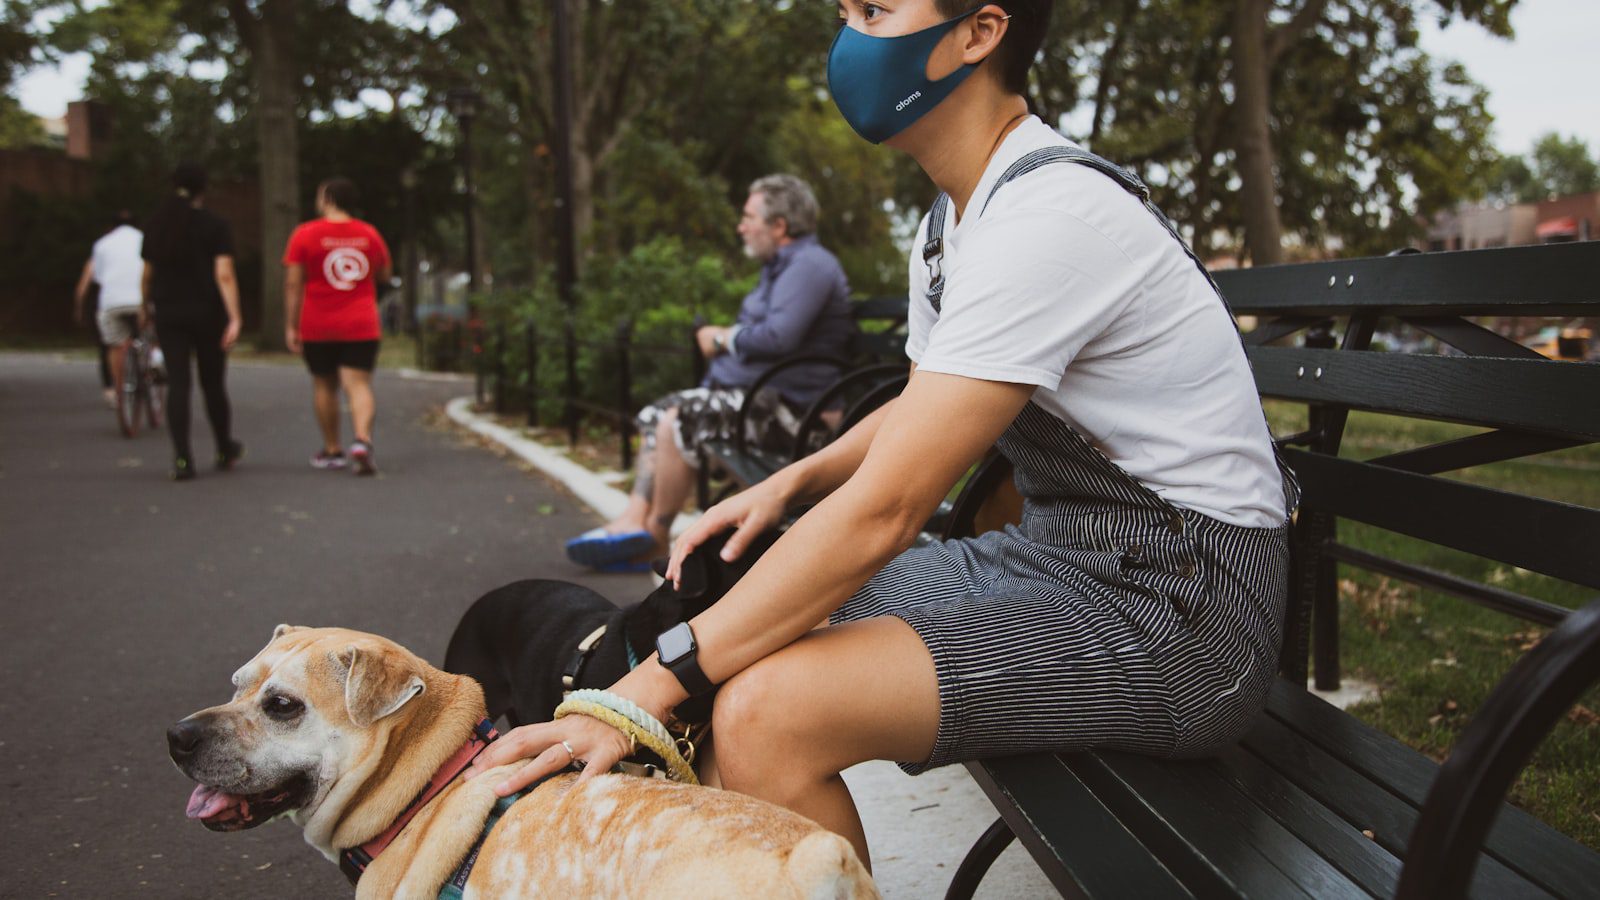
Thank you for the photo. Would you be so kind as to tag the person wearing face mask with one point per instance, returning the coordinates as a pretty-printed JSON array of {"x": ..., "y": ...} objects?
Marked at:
[
  {"x": 1054, "y": 314},
  {"x": 800, "y": 305}
]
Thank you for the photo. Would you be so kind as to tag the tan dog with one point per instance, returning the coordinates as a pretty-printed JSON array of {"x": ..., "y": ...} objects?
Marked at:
[{"x": 340, "y": 731}]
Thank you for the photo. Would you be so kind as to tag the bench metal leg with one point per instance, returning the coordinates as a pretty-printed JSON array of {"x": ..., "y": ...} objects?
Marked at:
[{"x": 970, "y": 873}]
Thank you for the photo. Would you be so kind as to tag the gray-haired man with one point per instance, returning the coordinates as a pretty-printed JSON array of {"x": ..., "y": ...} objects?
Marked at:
[{"x": 800, "y": 305}]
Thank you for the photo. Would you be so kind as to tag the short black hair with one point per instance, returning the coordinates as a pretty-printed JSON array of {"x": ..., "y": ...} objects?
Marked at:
[
  {"x": 189, "y": 178},
  {"x": 341, "y": 192},
  {"x": 1024, "y": 35}
]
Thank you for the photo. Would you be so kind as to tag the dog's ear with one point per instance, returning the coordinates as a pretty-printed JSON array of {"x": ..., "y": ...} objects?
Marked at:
[
  {"x": 377, "y": 684},
  {"x": 693, "y": 577},
  {"x": 282, "y": 630}
]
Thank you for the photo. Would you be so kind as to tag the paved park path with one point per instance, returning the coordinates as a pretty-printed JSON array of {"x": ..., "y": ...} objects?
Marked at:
[{"x": 127, "y": 601}]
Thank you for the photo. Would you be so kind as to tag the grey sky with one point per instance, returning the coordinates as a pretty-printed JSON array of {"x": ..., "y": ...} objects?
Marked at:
[{"x": 1541, "y": 81}]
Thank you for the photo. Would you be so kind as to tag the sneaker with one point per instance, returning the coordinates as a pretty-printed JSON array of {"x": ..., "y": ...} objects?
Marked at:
[
  {"x": 229, "y": 456},
  {"x": 326, "y": 460},
  {"x": 183, "y": 469},
  {"x": 361, "y": 455}
]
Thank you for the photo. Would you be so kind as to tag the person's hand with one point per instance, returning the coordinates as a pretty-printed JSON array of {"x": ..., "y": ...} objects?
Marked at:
[
  {"x": 230, "y": 334},
  {"x": 291, "y": 338},
  {"x": 706, "y": 337},
  {"x": 596, "y": 745},
  {"x": 749, "y": 513}
]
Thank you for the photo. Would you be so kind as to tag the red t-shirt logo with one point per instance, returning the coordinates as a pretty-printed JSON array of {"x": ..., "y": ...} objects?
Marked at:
[{"x": 345, "y": 268}]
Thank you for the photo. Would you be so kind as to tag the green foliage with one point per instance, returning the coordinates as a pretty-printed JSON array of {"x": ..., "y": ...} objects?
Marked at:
[
  {"x": 1560, "y": 167},
  {"x": 1434, "y": 657},
  {"x": 18, "y": 127},
  {"x": 374, "y": 150},
  {"x": 855, "y": 183},
  {"x": 1370, "y": 134},
  {"x": 654, "y": 293}
]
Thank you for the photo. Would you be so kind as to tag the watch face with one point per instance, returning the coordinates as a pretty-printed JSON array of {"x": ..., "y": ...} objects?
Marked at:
[{"x": 675, "y": 644}]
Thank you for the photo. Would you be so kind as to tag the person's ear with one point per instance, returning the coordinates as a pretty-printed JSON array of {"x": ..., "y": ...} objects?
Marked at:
[{"x": 984, "y": 31}]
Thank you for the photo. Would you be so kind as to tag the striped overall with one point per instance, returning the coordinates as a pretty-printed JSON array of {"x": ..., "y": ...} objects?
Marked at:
[{"x": 1108, "y": 617}]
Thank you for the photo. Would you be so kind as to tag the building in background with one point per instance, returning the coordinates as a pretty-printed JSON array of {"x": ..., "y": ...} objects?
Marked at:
[{"x": 1574, "y": 218}]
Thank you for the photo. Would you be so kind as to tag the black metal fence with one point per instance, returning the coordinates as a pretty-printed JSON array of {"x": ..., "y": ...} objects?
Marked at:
[{"x": 508, "y": 354}]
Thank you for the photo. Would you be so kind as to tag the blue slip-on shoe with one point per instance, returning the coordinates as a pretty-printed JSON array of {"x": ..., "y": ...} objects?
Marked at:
[{"x": 599, "y": 547}]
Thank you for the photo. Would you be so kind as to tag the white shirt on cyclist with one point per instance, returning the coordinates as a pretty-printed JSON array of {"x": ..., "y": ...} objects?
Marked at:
[{"x": 118, "y": 267}]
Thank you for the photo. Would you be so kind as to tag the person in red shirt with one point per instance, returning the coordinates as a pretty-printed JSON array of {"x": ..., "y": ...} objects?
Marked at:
[{"x": 334, "y": 263}]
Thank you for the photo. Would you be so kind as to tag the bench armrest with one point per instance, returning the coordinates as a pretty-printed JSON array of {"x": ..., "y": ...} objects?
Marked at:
[
  {"x": 1472, "y": 783},
  {"x": 765, "y": 377},
  {"x": 871, "y": 376}
]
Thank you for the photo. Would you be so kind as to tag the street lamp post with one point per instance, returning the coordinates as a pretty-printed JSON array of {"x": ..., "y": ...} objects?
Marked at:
[
  {"x": 464, "y": 102},
  {"x": 408, "y": 257},
  {"x": 566, "y": 242}
]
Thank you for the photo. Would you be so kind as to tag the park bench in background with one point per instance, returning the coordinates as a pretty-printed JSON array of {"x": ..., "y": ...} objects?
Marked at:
[
  {"x": 872, "y": 372},
  {"x": 1312, "y": 802}
]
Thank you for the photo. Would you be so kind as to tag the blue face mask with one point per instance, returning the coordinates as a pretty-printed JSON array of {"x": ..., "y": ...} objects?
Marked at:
[{"x": 880, "y": 84}]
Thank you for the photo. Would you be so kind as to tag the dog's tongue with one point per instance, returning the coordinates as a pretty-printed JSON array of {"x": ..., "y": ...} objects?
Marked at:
[{"x": 207, "y": 801}]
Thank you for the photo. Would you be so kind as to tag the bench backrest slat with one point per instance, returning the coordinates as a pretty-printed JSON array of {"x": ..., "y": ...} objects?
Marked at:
[
  {"x": 1557, "y": 279},
  {"x": 1557, "y": 539},
  {"x": 1559, "y": 399}
]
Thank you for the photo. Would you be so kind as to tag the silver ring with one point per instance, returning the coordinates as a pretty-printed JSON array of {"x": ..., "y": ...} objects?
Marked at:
[{"x": 571, "y": 756}]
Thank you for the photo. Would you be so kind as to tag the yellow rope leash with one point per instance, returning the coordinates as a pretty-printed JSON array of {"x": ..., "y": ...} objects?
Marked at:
[{"x": 677, "y": 767}]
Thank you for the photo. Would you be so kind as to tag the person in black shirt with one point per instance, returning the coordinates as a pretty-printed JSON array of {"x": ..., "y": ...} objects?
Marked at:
[{"x": 190, "y": 289}]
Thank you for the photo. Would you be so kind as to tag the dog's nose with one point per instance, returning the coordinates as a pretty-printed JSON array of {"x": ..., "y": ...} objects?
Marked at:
[{"x": 183, "y": 739}]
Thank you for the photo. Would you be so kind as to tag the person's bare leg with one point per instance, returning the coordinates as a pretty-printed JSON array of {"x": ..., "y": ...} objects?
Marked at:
[
  {"x": 784, "y": 730},
  {"x": 325, "y": 400},
  {"x": 358, "y": 388},
  {"x": 117, "y": 359},
  {"x": 674, "y": 480}
]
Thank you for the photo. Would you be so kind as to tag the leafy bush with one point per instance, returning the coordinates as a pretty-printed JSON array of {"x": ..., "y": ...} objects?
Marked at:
[{"x": 653, "y": 294}]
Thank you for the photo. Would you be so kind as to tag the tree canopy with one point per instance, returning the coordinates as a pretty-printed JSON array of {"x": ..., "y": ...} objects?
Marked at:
[
  {"x": 1312, "y": 126},
  {"x": 1556, "y": 167}
]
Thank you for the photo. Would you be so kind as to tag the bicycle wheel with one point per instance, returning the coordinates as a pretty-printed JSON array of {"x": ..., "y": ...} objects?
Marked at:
[
  {"x": 157, "y": 392},
  {"x": 128, "y": 395},
  {"x": 154, "y": 389}
]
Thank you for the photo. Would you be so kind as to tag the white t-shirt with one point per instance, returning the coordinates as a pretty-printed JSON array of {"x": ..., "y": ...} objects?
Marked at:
[
  {"x": 1067, "y": 282},
  {"x": 118, "y": 267}
]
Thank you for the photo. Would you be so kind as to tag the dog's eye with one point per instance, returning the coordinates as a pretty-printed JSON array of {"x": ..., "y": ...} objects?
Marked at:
[{"x": 282, "y": 708}]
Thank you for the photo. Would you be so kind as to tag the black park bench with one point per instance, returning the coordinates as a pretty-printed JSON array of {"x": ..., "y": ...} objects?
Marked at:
[
  {"x": 872, "y": 371},
  {"x": 1312, "y": 802}
]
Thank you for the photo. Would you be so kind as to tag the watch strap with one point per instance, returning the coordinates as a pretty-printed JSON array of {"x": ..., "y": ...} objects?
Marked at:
[{"x": 686, "y": 668}]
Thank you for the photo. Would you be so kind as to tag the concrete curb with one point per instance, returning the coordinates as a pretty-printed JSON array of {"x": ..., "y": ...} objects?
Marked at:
[{"x": 593, "y": 488}]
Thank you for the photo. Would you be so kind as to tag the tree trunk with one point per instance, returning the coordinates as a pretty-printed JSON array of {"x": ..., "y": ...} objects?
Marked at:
[
  {"x": 280, "y": 157},
  {"x": 1252, "y": 133}
]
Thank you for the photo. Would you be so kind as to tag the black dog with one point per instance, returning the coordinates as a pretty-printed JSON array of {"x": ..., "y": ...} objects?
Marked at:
[{"x": 531, "y": 640}]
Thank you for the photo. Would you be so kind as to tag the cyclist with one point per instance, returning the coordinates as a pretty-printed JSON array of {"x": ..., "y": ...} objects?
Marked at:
[{"x": 115, "y": 265}]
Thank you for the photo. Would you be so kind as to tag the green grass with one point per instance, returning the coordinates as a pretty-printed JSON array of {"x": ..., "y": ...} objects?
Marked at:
[{"x": 1434, "y": 657}]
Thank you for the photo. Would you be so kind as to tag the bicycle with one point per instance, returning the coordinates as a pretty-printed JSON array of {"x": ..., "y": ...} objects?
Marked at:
[{"x": 143, "y": 391}]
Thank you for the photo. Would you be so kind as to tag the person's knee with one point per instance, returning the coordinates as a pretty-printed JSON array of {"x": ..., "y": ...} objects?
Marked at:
[{"x": 754, "y": 732}]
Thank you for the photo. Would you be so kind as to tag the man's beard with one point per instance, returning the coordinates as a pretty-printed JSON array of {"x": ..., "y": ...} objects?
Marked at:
[{"x": 761, "y": 253}]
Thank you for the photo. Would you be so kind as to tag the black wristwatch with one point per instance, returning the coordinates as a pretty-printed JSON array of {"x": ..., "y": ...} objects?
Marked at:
[{"x": 679, "y": 654}]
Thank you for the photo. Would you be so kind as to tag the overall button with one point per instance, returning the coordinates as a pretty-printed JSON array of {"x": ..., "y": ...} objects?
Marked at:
[
  {"x": 1175, "y": 522},
  {"x": 1186, "y": 570}
]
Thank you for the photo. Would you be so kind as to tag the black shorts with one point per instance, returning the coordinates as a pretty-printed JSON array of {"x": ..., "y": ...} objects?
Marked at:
[{"x": 326, "y": 358}]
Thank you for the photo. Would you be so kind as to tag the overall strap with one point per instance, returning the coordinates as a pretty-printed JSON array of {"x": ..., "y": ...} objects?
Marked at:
[
  {"x": 933, "y": 250},
  {"x": 1129, "y": 182}
]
